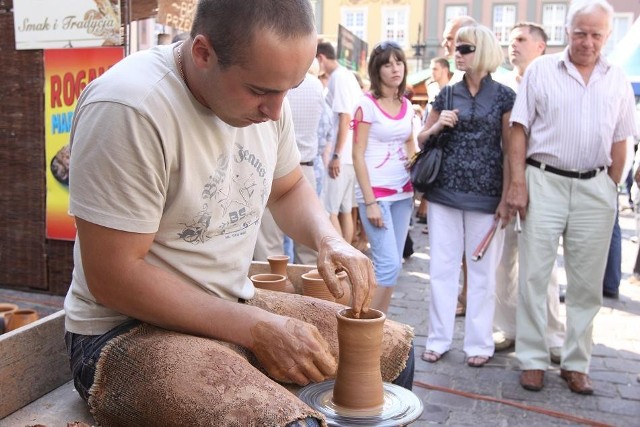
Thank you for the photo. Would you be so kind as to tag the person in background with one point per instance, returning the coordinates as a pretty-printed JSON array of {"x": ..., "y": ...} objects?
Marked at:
[
  {"x": 440, "y": 76},
  {"x": 342, "y": 95},
  {"x": 196, "y": 140},
  {"x": 448, "y": 43},
  {"x": 382, "y": 145},
  {"x": 528, "y": 41},
  {"x": 565, "y": 164},
  {"x": 466, "y": 199},
  {"x": 307, "y": 104}
]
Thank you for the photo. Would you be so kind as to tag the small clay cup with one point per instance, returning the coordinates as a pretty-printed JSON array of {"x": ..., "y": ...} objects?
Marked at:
[
  {"x": 6, "y": 309},
  {"x": 313, "y": 286},
  {"x": 20, "y": 318},
  {"x": 278, "y": 265},
  {"x": 272, "y": 282}
]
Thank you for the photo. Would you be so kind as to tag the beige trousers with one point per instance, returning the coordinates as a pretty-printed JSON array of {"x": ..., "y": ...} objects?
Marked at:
[{"x": 582, "y": 212}]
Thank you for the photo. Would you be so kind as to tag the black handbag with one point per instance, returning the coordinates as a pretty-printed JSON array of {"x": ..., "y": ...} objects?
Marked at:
[{"x": 426, "y": 163}]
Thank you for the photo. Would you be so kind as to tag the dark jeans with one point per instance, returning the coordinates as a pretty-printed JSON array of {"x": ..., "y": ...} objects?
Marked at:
[
  {"x": 613, "y": 271},
  {"x": 84, "y": 351}
]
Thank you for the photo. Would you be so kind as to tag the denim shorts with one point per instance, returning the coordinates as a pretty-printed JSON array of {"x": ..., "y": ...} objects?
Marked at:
[{"x": 84, "y": 351}]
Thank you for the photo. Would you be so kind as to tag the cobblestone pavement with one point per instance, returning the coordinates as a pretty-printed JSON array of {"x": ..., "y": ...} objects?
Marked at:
[{"x": 615, "y": 364}]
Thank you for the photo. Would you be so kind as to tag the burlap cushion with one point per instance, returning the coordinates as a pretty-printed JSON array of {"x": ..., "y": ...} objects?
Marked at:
[{"x": 151, "y": 376}]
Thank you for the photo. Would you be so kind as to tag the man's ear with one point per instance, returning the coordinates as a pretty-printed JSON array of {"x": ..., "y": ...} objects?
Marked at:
[{"x": 204, "y": 56}]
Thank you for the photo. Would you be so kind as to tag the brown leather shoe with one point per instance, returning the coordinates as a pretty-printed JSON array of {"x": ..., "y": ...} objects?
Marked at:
[
  {"x": 577, "y": 381},
  {"x": 532, "y": 379}
]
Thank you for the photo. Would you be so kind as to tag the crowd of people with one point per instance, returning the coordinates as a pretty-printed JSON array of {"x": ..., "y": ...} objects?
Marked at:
[{"x": 264, "y": 129}]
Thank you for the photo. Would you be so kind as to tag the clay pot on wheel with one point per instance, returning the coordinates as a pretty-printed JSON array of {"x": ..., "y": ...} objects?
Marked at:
[
  {"x": 272, "y": 282},
  {"x": 358, "y": 382},
  {"x": 278, "y": 265},
  {"x": 20, "y": 318}
]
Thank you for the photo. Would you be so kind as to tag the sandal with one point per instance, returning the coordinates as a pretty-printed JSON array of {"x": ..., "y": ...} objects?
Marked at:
[
  {"x": 477, "y": 361},
  {"x": 431, "y": 356}
]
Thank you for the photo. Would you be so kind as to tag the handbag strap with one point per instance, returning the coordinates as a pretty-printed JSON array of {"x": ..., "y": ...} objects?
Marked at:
[{"x": 449, "y": 105}]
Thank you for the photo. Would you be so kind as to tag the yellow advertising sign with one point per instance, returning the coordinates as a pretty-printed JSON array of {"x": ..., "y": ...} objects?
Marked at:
[{"x": 67, "y": 72}]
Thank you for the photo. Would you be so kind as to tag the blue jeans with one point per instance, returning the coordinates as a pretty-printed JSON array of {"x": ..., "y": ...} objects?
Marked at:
[
  {"x": 613, "y": 271},
  {"x": 387, "y": 243}
]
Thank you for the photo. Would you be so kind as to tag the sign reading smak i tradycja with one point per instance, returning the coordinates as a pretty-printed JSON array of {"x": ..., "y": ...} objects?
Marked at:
[{"x": 46, "y": 24}]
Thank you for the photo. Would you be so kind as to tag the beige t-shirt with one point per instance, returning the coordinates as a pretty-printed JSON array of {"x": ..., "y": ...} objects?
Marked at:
[{"x": 146, "y": 157}]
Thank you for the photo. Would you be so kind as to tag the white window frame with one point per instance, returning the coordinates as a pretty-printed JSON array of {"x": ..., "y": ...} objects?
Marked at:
[
  {"x": 502, "y": 28},
  {"x": 618, "y": 33},
  {"x": 554, "y": 20},
  {"x": 453, "y": 11},
  {"x": 396, "y": 31},
  {"x": 358, "y": 30}
]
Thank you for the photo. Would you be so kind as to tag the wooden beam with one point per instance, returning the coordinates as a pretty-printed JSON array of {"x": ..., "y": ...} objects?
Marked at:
[{"x": 33, "y": 361}]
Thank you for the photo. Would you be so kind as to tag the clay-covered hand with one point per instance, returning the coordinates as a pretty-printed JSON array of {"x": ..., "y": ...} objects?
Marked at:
[
  {"x": 292, "y": 351},
  {"x": 335, "y": 254}
]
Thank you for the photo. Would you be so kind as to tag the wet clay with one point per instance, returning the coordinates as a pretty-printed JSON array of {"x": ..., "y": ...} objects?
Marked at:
[
  {"x": 358, "y": 382},
  {"x": 293, "y": 352}
]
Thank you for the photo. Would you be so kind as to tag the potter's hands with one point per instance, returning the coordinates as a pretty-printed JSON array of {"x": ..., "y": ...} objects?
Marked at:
[
  {"x": 334, "y": 255},
  {"x": 292, "y": 351}
]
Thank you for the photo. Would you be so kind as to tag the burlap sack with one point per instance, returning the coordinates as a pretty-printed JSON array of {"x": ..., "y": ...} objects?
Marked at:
[{"x": 151, "y": 376}]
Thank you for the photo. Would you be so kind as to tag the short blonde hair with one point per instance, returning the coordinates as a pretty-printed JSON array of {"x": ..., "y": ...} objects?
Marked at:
[{"x": 489, "y": 55}]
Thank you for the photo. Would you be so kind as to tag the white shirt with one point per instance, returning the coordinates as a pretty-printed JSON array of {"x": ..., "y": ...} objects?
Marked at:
[
  {"x": 344, "y": 92},
  {"x": 572, "y": 125}
]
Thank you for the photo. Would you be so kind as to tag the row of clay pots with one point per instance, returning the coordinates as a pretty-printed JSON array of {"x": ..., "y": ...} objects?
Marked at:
[
  {"x": 313, "y": 284},
  {"x": 13, "y": 317}
]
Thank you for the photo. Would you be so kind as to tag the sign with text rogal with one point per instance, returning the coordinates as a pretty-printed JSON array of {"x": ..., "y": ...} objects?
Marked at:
[
  {"x": 67, "y": 72},
  {"x": 45, "y": 24}
]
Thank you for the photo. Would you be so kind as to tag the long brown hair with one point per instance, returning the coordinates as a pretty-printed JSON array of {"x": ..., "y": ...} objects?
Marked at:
[{"x": 380, "y": 55}]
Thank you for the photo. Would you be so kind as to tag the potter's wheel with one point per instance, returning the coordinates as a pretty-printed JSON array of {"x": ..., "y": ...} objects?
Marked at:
[{"x": 400, "y": 406}]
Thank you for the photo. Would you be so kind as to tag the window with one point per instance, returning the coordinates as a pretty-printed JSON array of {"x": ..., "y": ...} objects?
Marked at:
[
  {"x": 504, "y": 18},
  {"x": 395, "y": 24},
  {"x": 554, "y": 16},
  {"x": 355, "y": 20},
  {"x": 451, "y": 12},
  {"x": 621, "y": 24}
]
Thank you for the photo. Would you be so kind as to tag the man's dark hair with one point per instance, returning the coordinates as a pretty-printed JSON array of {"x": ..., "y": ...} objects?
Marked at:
[
  {"x": 327, "y": 50},
  {"x": 534, "y": 28},
  {"x": 232, "y": 25},
  {"x": 442, "y": 61}
]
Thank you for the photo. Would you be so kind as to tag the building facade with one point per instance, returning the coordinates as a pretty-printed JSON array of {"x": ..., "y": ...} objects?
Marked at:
[{"x": 420, "y": 23}]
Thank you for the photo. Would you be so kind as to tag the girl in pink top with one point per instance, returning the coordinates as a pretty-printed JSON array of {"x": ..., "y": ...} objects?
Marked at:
[{"x": 382, "y": 146}]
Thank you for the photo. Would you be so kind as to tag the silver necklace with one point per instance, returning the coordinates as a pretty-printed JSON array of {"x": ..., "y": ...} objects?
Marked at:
[{"x": 179, "y": 48}]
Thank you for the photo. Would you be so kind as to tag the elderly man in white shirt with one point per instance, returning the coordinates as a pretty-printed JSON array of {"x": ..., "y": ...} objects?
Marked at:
[{"x": 572, "y": 116}]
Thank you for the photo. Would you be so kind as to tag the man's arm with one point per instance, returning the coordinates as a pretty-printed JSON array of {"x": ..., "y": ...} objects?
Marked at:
[
  {"x": 119, "y": 277},
  {"x": 299, "y": 213},
  {"x": 618, "y": 157},
  {"x": 344, "y": 121},
  {"x": 517, "y": 196}
]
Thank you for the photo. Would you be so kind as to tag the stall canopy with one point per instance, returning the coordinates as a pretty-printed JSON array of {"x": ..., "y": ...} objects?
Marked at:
[{"x": 626, "y": 54}]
